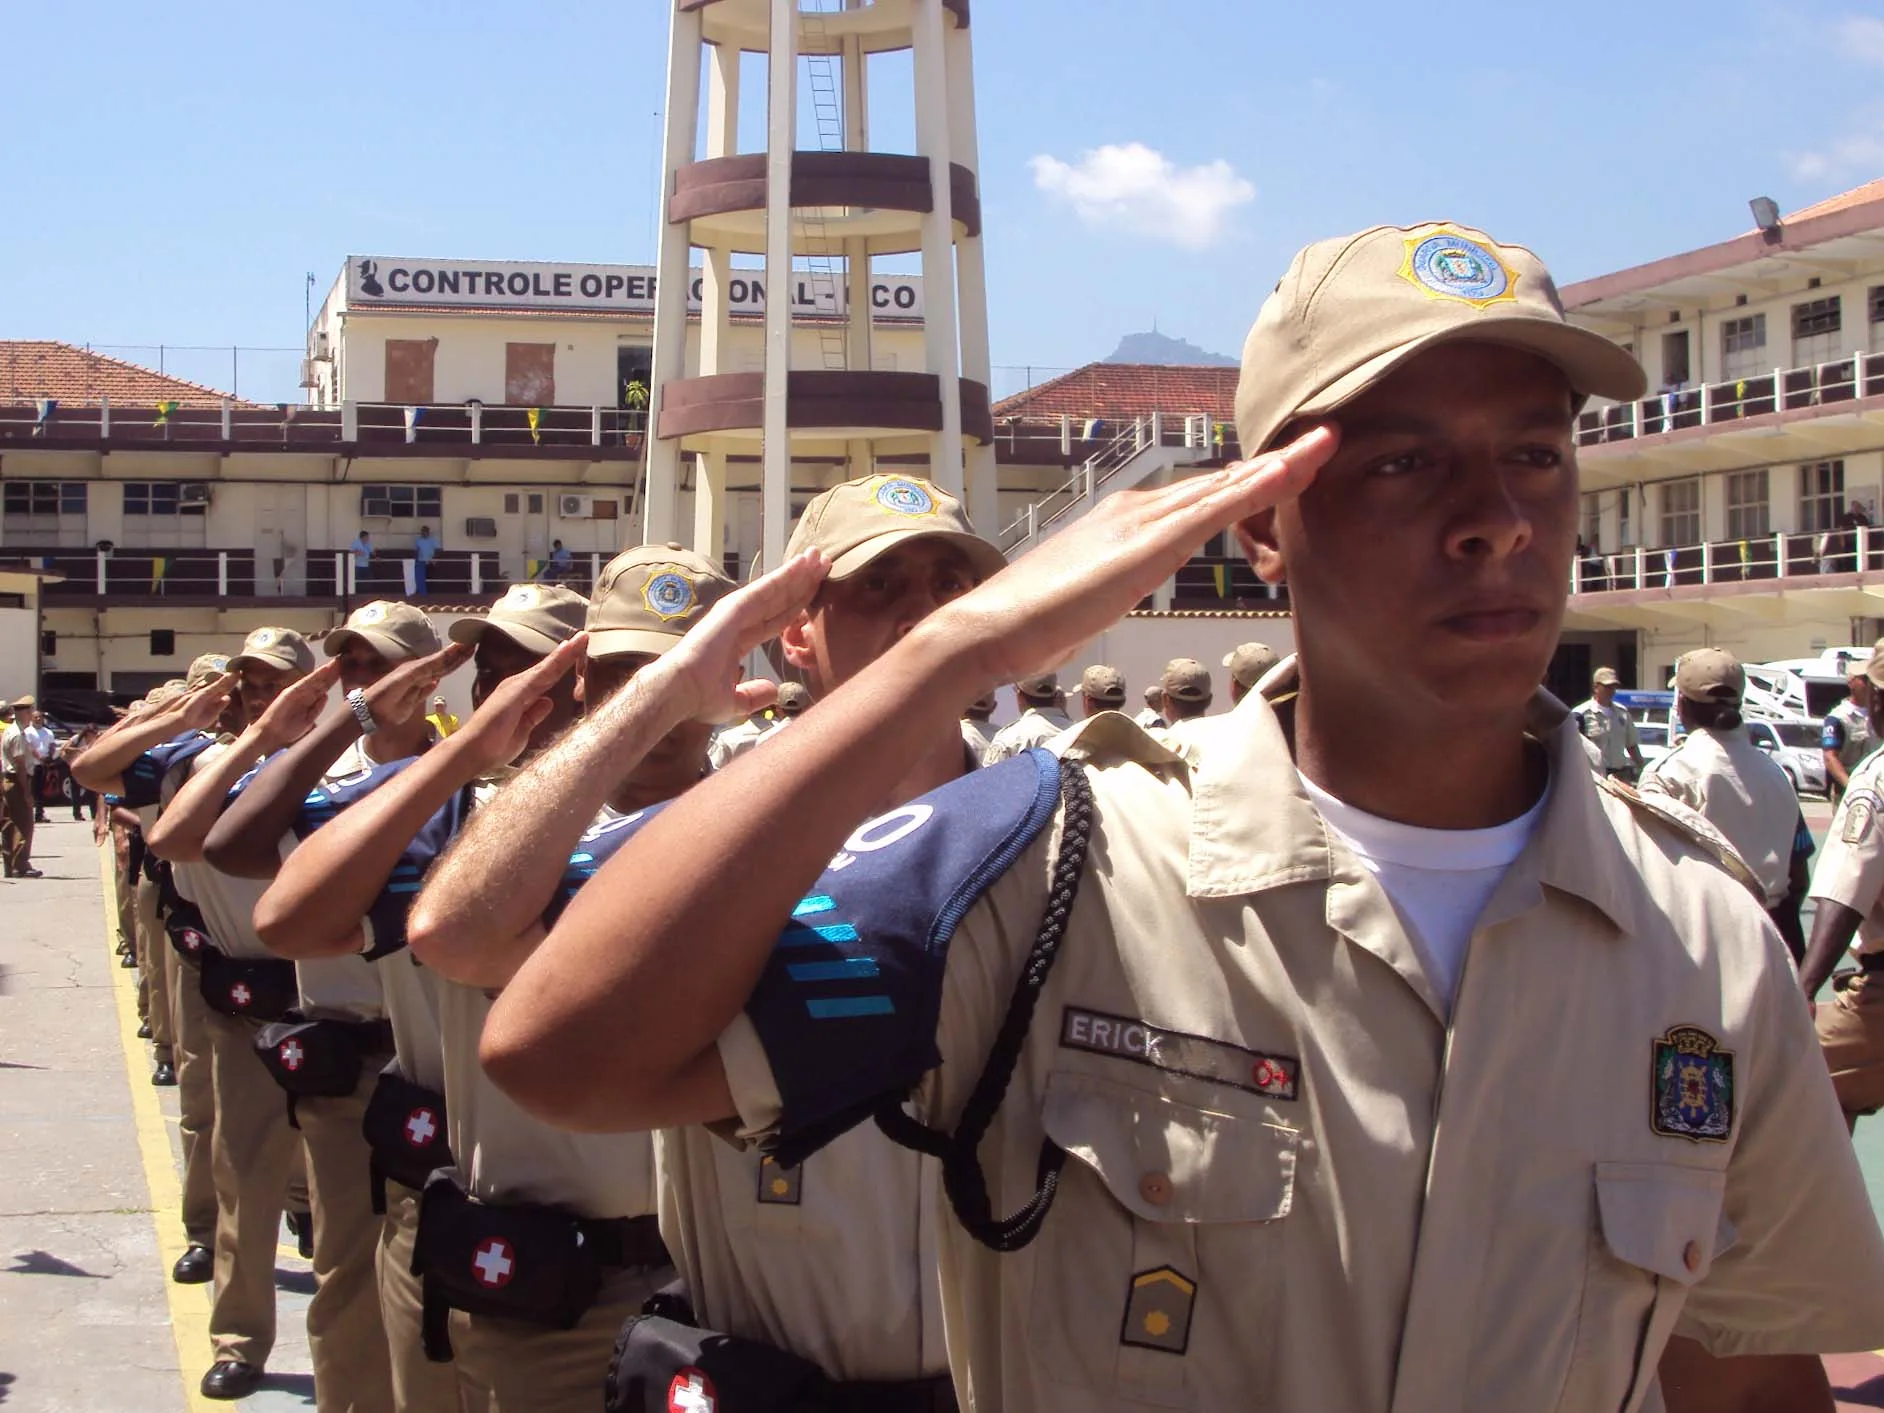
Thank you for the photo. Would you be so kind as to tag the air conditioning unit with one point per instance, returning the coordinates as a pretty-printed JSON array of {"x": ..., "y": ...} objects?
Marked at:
[
  {"x": 308, "y": 380},
  {"x": 323, "y": 350},
  {"x": 480, "y": 527},
  {"x": 193, "y": 493},
  {"x": 575, "y": 507}
]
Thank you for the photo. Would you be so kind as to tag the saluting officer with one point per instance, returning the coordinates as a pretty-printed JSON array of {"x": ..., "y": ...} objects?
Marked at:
[
  {"x": 1041, "y": 718},
  {"x": 1372, "y": 1061},
  {"x": 1101, "y": 688},
  {"x": 1184, "y": 697},
  {"x": 1247, "y": 664},
  {"x": 1847, "y": 736},
  {"x": 1610, "y": 727}
]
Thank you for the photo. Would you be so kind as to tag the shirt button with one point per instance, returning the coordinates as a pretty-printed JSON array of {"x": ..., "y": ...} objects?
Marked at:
[
  {"x": 1155, "y": 1188},
  {"x": 1691, "y": 1256}
]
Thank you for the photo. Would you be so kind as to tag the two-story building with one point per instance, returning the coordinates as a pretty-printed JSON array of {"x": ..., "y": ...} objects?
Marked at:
[{"x": 1736, "y": 504}]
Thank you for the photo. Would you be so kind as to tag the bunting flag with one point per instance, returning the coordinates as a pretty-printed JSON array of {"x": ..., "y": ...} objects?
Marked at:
[
  {"x": 45, "y": 563},
  {"x": 1221, "y": 572},
  {"x": 1091, "y": 429},
  {"x": 534, "y": 416},
  {"x": 413, "y": 417},
  {"x": 532, "y": 567},
  {"x": 1745, "y": 556},
  {"x": 164, "y": 409},
  {"x": 43, "y": 409},
  {"x": 1668, "y": 558},
  {"x": 159, "y": 566},
  {"x": 1218, "y": 430}
]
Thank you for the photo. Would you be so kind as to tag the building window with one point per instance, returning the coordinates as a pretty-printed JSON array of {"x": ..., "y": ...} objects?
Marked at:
[
  {"x": 1681, "y": 512},
  {"x": 1625, "y": 534},
  {"x": 402, "y": 502},
  {"x": 1743, "y": 347},
  {"x": 162, "y": 498},
  {"x": 1592, "y": 520},
  {"x": 1815, "y": 331},
  {"x": 51, "y": 512},
  {"x": 1748, "y": 517},
  {"x": 1821, "y": 495},
  {"x": 1875, "y": 305}
]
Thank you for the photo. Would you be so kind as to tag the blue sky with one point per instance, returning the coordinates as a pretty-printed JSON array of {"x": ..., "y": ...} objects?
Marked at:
[{"x": 174, "y": 178}]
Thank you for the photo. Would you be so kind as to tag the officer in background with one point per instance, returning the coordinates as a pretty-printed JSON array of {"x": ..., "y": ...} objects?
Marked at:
[
  {"x": 16, "y": 799},
  {"x": 736, "y": 740},
  {"x": 1247, "y": 663},
  {"x": 1039, "y": 722},
  {"x": 1848, "y": 888},
  {"x": 1151, "y": 716},
  {"x": 1846, "y": 736},
  {"x": 1101, "y": 688},
  {"x": 975, "y": 733},
  {"x": 1377, "y": 1059},
  {"x": 1184, "y": 694},
  {"x": 1609, "y": 727},
  {"x": 1737, "y": 787}
]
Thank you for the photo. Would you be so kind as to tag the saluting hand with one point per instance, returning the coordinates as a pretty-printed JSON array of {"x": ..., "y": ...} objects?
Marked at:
[
  {"x": 201, "y": 709},
  {"x": 1043, "y": 607},
  {"x": 296, "y": 708},
  {"x": 405, "y": 692},
  {"x": 500, "y": 728},
  {"x": 702, "y": 671}
]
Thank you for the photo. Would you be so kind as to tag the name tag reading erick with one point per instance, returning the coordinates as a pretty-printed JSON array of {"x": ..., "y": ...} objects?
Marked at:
[{"x": 1274, "y": 1076}]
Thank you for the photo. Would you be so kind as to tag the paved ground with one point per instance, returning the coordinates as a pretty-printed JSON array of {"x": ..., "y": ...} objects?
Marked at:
[
  {"x": 89, "y": 1323},
  {"x": 88, "y": 1191}
]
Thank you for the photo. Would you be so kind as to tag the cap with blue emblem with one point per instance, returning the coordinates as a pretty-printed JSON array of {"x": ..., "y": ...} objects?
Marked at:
[
  {"x": 858, "y": 521},
  {"x": 536, "y": 617},
  {"x": 1353, "y": 309},
  {"x": 648, "y": 597}
]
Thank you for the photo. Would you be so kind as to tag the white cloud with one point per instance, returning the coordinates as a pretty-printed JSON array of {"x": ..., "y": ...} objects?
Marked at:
[
  {"x": 1859, "y": 153},
  {"x": 1862, "y": 37},
  {"x": 1139, "y": 189}
]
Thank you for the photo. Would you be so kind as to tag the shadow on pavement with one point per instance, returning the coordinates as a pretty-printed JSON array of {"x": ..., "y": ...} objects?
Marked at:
[{"x": 44, "y": 1263}]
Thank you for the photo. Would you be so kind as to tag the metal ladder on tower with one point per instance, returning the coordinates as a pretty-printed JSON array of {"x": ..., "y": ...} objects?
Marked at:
[{"x": 827, "y": 111}]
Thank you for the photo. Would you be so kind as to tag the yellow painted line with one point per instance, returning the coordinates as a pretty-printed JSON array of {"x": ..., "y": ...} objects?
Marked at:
[{"x": 189, "y": 1304}]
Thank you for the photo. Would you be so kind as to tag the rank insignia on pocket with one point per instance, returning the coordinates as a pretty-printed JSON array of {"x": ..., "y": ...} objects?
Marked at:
[
  {"x": 1693, "y": 1086},
  {"x": 1158, "y": 1311},
  {"x": 780, "y": 1186}
]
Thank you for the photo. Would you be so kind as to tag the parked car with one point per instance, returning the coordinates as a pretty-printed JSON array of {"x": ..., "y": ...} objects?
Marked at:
[
  {"x": 1793, "y": 743},
  {"x": 1652, "y": 737}
]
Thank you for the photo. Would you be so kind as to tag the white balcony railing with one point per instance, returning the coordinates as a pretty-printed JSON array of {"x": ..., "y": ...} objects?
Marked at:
[
  {"x": 1786, "y": 555},
  {"x": 1846, "y": 379}
]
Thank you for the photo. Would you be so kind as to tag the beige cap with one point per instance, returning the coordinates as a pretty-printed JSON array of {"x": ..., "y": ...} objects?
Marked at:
[
  {"x": 163, "y": 693},
  {"x": 396, "y": 631},
  {"x": 21, "y": 703},
  {"x": 793, "y": 697},
  {"x": 647, "y": 599},
  {"x": 536, "y": 617},
  {"x": 859, "y": 520},
  {"x": 1351, "y": 310},
  {"x": 984, "y": 703},
  {"x": 1710, "y": 675},
  {"x": 1154, "y": 695},
  {"x": 1605, "y": 677},
  {"x": 275, "y": 647},
  {"x": 206, "y": 668},
  {"x": 1040, "y": 687},
  {"x": 1186, "y": 679},
  {"x": 1103, "y": 684},
  {"x": 1249, "y": 661}
]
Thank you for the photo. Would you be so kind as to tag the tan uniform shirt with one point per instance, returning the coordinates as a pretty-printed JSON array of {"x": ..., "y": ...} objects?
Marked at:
[
  {"x": 735, "y": 741},
  {"x": 1613, "y": 730},
  {"x": 226, "y": 902},
  {"x": 1858, "y": 742},
  {"x": 1850, "y": 868},
  {"x": 1035, "y": 728},
  {"x": 1742, "y": 792},
  {"x": 975, "y": 736},
  {"x": 1292, "y": 1185}
]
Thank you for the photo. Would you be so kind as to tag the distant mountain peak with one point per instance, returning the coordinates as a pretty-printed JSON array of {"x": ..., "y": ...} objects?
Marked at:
[{"x": 1154, "y": 347}]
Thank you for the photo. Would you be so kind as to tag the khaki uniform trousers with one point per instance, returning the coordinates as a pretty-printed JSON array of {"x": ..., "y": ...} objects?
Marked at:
[
  {"x": 1851, "y": 1033},
  {"x": 16, "y": 823},
  {"x": 419, "y": 1385},
  {"x": 516, "y": 1367},
  {"x": 190, "y": 1018},
  {"x": 256, "y": 1154},
  {"x": 153, "y": 978}
]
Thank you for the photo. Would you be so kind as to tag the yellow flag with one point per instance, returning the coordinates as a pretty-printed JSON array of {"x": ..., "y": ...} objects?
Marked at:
[
  {"x": 531, "y": 567},
  {"x": 159, "y": 566},
  {"x": 1743, "y": 554},
  {"x": 164, "y": 409},
  {"x": 535, "y": 417},
  {"x": 1222, "y": 573}
]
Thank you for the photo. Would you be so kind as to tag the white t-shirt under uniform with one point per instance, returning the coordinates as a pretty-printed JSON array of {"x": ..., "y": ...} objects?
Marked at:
[{"x": 1438, "y": 880}]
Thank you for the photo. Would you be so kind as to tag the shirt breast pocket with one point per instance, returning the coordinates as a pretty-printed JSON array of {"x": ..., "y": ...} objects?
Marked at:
[
  {"x": 1658, "y": 1229},
  {"x": 1160, "y": 1204}
]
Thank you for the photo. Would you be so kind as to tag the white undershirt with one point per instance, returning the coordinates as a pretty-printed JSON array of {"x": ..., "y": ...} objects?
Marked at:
[{"x": 1439, "y": 880}]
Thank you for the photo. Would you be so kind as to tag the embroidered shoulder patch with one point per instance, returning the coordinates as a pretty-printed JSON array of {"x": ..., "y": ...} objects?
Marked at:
[
  {"x": 1692, "y": 1080},
  {"x": 1274, "y": 1076},
  {"x": 1860, "y": 815}
]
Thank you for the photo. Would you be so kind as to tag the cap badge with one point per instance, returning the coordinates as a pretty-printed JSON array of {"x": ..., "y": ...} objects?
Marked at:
[
  {"x": 1453, "y": 266},
  {"x": 372, "y": 613},
  {"x": 669, "y": 595},
  {"x": 262, "y": 638},
  {"x": 905, "y": 498},
  {"x": 521, "y": 596}
]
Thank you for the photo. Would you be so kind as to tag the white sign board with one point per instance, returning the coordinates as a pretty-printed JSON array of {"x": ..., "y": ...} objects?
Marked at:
[{"x": 620, "y": 289}]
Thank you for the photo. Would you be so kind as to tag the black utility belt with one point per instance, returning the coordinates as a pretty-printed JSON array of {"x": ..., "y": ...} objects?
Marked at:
[
  {"x": 517, "y": 1261},
  {"x": 254, "y": 988},
  {"x": 405, "y": 1130},
  {"x": 662, "y": 1353},
  {"x": 319, "y": 1059}
]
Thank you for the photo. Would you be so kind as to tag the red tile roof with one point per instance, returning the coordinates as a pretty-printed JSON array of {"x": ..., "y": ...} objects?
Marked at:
[
  {"x": 1126, "y": 390},
  {"x": 36, "y": 368},
  {"x": 1857, "y": 196}
]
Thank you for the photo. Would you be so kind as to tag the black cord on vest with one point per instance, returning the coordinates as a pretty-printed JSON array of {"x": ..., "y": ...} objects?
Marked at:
[{"x": 962, "y": 1177}]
